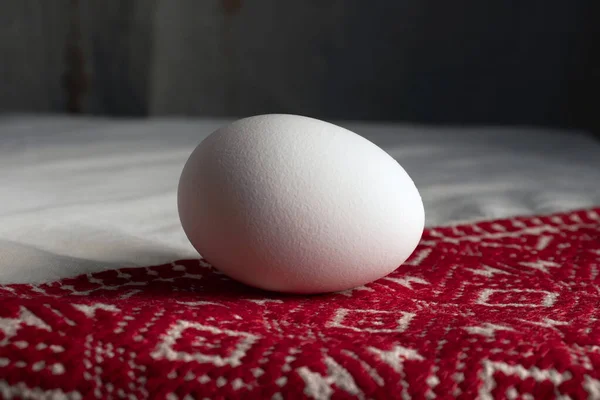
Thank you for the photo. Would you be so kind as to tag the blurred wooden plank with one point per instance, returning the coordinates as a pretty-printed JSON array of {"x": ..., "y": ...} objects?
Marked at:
[
  {"x": 117, "y": 44},
  {"x": 119, "y": 41},
  {"x": 269, "y": 56},
  {"x": 32, "y": 36}
]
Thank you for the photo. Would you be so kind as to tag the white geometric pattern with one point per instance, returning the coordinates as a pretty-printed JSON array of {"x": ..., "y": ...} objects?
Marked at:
[
  {"x": 491, "y": 368},
  {"x": 10, "y": 326},
  {"x": 165, "y": 349},
  {"x": 517, "y": 298},
  {"x": 370, "y": 320},
  {"x": 320, "y": 387}
]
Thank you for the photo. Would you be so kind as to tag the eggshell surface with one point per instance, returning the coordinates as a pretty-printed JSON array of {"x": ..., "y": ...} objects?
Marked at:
[{"x": 293, "y": 204}]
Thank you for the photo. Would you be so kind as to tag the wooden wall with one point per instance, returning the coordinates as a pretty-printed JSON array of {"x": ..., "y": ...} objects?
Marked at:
[{"x": 464, "y": 61}]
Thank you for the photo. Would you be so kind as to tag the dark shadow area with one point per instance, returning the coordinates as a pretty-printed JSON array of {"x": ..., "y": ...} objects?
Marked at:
[{"x": 23, "y": 263}]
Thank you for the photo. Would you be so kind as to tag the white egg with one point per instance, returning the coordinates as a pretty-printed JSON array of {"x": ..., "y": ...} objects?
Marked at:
[{"x": 294, "y": 204}]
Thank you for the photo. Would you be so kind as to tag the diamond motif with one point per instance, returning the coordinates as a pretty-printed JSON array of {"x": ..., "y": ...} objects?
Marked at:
[
  {"x": 374, "y": 321},
  {"x": 516, "y": 298},
  {"x": 210, "y": 345}
]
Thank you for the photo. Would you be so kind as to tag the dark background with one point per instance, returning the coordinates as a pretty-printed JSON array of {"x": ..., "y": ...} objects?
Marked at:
[{"x": 454, "y": 62}]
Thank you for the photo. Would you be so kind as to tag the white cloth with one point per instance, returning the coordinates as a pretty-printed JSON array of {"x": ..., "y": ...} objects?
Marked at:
[{"x": 82, "y": 195}]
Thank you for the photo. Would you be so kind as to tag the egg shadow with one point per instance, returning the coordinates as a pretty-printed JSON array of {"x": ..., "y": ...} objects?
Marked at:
[
  {"x": 23, "y": 263},
  {"x": 185, "y": 281}
]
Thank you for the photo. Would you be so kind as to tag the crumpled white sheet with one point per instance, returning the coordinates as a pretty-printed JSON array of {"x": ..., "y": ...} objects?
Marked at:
[{"x": 81, "y": 195}]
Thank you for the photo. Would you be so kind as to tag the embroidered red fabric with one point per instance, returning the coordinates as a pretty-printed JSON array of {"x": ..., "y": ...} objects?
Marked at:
[{"x": 501, "y": 309}]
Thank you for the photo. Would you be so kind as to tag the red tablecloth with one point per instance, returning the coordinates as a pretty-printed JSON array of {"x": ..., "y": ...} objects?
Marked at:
[{"x": 500, "y": 309}]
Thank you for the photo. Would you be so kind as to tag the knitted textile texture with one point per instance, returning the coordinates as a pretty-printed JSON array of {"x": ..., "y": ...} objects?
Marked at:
[{"x": 499, "y": 309}]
